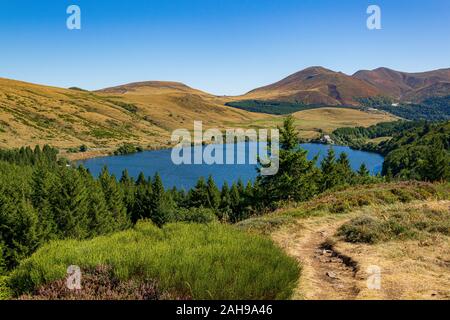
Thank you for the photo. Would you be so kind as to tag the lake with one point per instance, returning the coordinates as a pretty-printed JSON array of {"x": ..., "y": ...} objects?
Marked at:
[{"x": 185, "y": 176}]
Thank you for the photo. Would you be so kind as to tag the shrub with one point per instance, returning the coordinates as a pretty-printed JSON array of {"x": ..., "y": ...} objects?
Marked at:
[
  {"x": 362, "y": 229},
  {"x": 5, "y": 292},
  {"x": 201, "y": 261},
  {"x": 196, "y": 215},
  {"x": 396, "y": 222}
]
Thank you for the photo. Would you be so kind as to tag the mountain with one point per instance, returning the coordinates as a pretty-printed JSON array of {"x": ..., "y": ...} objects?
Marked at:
[
  {"x": 408, "y": 86},
  {"x": 315, "y": 85},
  {"x": 143, "y": 114}
]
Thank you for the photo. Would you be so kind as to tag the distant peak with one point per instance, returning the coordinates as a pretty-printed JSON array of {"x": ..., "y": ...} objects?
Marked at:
[{"x": 147, "y": 84}]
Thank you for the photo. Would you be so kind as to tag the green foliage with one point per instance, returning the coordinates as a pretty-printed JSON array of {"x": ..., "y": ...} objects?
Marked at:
[
  {"x": 28, "y": 156},
  {"x": 358, "y": 137},
  {"x": 195, "y": 215},
  {"x": 195, "y": 260},
  {"x": 297, "y": 177},
  {"x": 270, "y": 107},
  {"x": 5, "y": 291},
  {"x": 431, "y": 109},
  {"x": 410, "y": 222},
  {"x": 127, "y": 148},
  {"x": 421, "y": 153},
  {"x": 354, "y": 197},
  {"x": 114, "y": 200},
  {"x": 417, "y": 150}
]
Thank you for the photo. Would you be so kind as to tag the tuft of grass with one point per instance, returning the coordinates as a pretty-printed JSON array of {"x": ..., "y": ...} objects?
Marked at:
[
  {"x": 398, "y": 222},
  {"x": 5, "y": 291},
  {"x": 263, "y": 225},
  {"x": 368, "y": 195},
  {"x": 211, "y": 261}
]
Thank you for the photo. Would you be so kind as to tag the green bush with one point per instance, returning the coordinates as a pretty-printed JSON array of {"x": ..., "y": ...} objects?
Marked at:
[
  {"x": 410, "y": 222},
  {"x": 201, "y": 261},
  {"x": 361, "y": 230},
  {"x": 5, "y": 292},
  {"x": 196, "y": 215}
]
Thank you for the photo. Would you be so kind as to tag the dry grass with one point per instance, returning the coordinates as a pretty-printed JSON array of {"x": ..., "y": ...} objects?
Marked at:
[
  {"x": 410, "y": 269},
  {"x": 313, "y": 121},
  {"x": 414, "y": 265},
  {"x": 143, "y": 114}
]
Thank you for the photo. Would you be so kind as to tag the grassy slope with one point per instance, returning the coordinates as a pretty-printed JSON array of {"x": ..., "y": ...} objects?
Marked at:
[
  {"x": 142, "y": 114},
  {"x": 311, "y": 122},
  {"x": 186, "y": 260},
  {"x": 411, "y": 236},
  {"x": 33, "y": 114}
]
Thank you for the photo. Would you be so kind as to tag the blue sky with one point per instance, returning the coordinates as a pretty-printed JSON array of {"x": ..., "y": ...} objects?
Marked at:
[{"x": 220, "y": 46}]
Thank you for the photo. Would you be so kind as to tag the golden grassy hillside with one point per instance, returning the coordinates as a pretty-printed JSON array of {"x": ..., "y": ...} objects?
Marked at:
[
  {"x": 143, "y": 114},
  {"x": 173, "y": 105},
  {"x": 311, "y": 123},
  {"x": 33, "y": 114}
]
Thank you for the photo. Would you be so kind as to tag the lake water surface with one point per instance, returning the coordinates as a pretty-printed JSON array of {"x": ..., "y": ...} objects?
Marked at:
[{"x": 185, "y": 176}]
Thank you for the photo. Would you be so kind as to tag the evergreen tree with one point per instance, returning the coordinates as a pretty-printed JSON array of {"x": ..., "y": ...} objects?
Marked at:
[
  {"x": 42, "y": 192},
  {"x": 213, "y": 194},
  {"x": 198, "y": 196},
  {"x": 114, "y": 199},
  {"x": 363, "y": 172},
  {"x": 344, "y": 170},
  {"x": 297, "y": 176},
  {"x": 330, "y": 175},
  {"x": 235, "y": 199},
  {"x": 18, "y": 230},
  {"x": 128, "y": 189},
  {"x": 436, "y": 165},
  {"x": 162, "y": 205},
  {"x": 70, "y": 205},
  {"x": 142, "y": 200},
  {"x": 101, "y": 221},
  {"x": 225, "y": 210},
  {"x": 141, "y": 179}
]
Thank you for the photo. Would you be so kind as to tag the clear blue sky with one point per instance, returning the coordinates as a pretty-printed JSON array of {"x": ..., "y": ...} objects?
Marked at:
[{"x": 220, "y": 46}]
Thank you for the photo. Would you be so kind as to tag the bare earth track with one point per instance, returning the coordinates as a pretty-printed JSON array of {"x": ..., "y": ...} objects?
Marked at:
[
  {"x": 326, "y": 274},
  {"x": 333, "y": 269}
]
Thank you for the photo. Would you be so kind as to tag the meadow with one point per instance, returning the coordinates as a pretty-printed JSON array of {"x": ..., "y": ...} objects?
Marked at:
[{"x": 207, "y": 261}]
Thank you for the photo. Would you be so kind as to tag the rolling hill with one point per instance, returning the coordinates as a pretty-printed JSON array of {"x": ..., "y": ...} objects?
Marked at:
[
  {"x": 317, "y": 86},
  {"x": 406, "y": 86},
  {"x": 143, "y": 114}
]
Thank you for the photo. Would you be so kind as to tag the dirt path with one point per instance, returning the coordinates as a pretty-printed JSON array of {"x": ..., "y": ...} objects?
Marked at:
[{"x": 326, "y": 274}]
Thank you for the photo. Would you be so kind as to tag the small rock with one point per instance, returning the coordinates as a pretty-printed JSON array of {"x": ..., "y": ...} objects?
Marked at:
[{"x": 332, "y": 274}]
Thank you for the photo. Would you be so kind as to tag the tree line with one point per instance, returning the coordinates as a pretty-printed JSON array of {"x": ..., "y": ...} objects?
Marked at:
[{"x": 43, "y": 198}]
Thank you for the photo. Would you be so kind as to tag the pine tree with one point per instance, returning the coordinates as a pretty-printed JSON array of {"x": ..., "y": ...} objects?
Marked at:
[
  {"x": 70, "y": 205},
  {"x": 141, "y": 179},
  {"x": 330, "y": 176},
  {"x": 41, "y": 195},
  {"x": 101, "y": 221},
  {"x": 128, "y": 189},
  {"x": 344, "y": 170},
  {"x": 18, "y": 230},
  {"x": 235, "y": 199},
  {"x": 363, "y": 172},
  {"x": 162, "y": 205},
  {"x": 114, "y": 199},
  {"x": 142, "y": 200},
  {"x": 213, "y": 194},
  {"x": 225, "y": 210},
  {"x": 297, "y": 176},
  {"x": 436, "y": 166},
  {"x": 198, "y": 196},
  {"x": 288, "y": 134}
]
